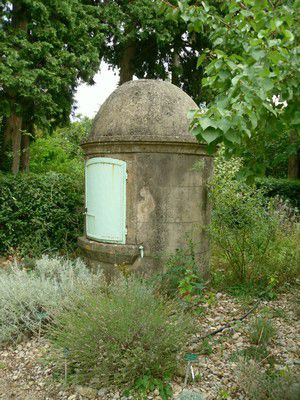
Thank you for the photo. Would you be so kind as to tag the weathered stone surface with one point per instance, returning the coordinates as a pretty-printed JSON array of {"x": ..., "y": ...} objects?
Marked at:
[
  {"x": 144, "y": 109},
  {"x": 145, "y": 124}
]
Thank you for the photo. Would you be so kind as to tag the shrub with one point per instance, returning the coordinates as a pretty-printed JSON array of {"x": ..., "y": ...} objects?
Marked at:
[
  {"x": 181, "y": 275},
  {"x": 52, "y": 154},
  {"x": 119, "y": 335},
  {"x": 254, "y": 241},
  {"x": 27, "y": 299},
  {"x": 285, "y": 188},
  {"x": 268, "y": 385},
  {"x": 261, "y": 331},
  {"x": 61, "y": 151},
  {"x": 40, "y": 213}
]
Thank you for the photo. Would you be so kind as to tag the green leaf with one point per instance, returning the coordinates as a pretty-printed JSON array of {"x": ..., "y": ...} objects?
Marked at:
[
  {"x": 232, "y": 136},
  {"x": 258, "y": 54},
  {"x": 210, "y": 135},
  {"x": 197, "y": 131},
  {"x": 201, "y": 59},
  {"x": 296, "y": 118},
  {"x": 205, "y": 122},
  {"x": 224, "y": 125}
]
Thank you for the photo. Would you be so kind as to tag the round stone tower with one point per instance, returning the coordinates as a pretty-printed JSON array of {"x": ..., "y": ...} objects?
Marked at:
[{"x": 146, "y": 179}]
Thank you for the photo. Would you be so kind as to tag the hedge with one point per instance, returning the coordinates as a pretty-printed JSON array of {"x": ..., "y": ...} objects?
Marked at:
[
  {"x": 286, "y": 188},
  {"x": 40, "y": 213}
]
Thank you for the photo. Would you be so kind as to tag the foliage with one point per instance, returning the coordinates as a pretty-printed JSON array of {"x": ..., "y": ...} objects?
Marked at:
[
  {"x": 268, "y": 385},
  {"x": 251, "y": 72},
  {"x": 52, "y": 154},
  {"x": 45, "y": 48},
  {"x": 121, "y": 334},
  {"x": 261, "y": 331},
  {"x": 254, "y": 241},
  {"x": 145, "y": 40},
  {"x": 147, "y": 384},
  {"x": 285, "y": 188},
  {"x": 40, "y": 213},
  {"x": 205, "y": 347},
  {"x": 60, "y": 152},
  {"x": 28, "y": 299},
  {"x": 275, "y": 154},
  {"x": 181, "y": 276}
]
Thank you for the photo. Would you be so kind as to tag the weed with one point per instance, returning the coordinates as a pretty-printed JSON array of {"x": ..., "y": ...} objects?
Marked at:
[
  {"x": 2, "y": 365},
  {"x": 146, "y": 384},
  {"x": 261, "y": 331},
  {"x": 182, "y": 276},
  {"x": 205, "y": 347}
]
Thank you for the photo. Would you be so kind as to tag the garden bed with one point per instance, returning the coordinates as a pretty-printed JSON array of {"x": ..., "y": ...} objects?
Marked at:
[{"x": 25, "y": 375}]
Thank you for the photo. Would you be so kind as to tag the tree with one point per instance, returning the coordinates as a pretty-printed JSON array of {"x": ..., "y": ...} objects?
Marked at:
[
  {"x": 46, "y": 47},
  {"x": 143, "y": 39},
  {"x": 252, "y": 74}
]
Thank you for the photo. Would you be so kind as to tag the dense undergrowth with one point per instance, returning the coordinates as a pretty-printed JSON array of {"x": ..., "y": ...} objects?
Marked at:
[
  {"x": 40, "y": 213},
  {"x": 255, "y": 239}
]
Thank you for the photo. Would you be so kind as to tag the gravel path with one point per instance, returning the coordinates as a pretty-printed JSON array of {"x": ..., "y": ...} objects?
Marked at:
[{"x": 24, "y": 375}]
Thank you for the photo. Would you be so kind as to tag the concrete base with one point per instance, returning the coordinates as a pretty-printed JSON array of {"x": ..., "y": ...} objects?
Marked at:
[{"x": 111, "y": 258}]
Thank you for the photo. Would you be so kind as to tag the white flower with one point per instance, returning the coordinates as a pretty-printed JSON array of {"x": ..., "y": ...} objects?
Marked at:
[{"x": 276, "y": 99}]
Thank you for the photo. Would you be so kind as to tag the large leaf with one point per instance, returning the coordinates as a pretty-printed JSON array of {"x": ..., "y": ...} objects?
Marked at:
[{"x": 211, "y": 134}]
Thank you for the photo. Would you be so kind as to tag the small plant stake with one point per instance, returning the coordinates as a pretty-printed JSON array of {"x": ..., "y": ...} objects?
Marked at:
[{"x": 191, "y": 359}]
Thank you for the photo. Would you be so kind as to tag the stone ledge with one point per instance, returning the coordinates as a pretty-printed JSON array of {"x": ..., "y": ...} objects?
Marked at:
[
  {"x": 108, "y": 252},
  {"x": 95, "y": 148}
]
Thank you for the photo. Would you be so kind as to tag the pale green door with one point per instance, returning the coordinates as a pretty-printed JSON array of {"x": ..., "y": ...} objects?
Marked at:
[{"x": 105, "y": 180}]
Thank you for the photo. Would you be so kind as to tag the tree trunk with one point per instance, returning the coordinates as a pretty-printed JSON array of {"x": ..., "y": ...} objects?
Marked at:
[
  {"x": 127, "y": 63},
  {"x": 176, "y": 68},
  {"x": 294, "y": 159},
  {"x": 4, "y": 143},
  {"x": 12, "y": 131},
  {"x": 25, "y": 151},
  {"x": 12, "y": 134}
]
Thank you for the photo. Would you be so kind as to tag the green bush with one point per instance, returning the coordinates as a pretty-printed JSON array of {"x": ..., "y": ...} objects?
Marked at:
[
  {"x": 53, "y": 154},
  {"x": 255, "y": 240},
  {"x": 268, "y": 385},
  {"x": 60, "y": 152},
  {"x": 30, "y": 298},
  {"x": 40, "y": 213},
  {"x": 286, "y": 188},
  {"x": 119, "y": 335}
]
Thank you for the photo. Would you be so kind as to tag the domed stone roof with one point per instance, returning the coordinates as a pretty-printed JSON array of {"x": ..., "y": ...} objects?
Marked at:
[{"x": 144, "y": 110}]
